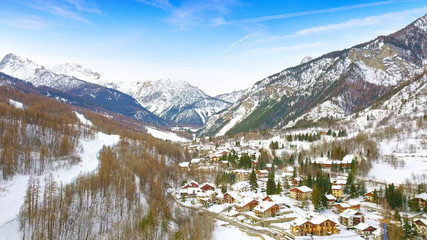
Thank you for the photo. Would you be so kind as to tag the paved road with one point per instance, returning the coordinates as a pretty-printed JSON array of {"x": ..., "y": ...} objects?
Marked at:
[{"x": 276, "y": 234}]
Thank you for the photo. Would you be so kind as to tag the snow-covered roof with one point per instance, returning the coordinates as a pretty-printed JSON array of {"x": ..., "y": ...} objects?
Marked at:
[
  {"x": 344, "y": 205},
  {"x": 303, "y": 189},
  {"x": 353, "y": 203},
  {"x": 362, "y": 226},
  {"x": 422, "y": 220},
  {"x": 245, "y": 201},
  {"x": 195, "y": 160},
  {"x": 422, "y": 196},
  {"x": 206, "y": 183},
  {"x": 349, "y": 213},
  {"x": 330, "y": 197},
  {"x": 289, "y": 168},
  {"x": 262, "y": 171},
  {"x": 337, "y": 187},
  {"x": 348, "y": 158},
  {"x": 191, "y": 182},
  {"x": 233, "y": 195},
  {"x": 316, "y": 220},
  {"x": 241, "y": 171},
  {"x": 264, "y": 206},
  {"x": 341, "y": 182},
  {"x": 184, "y": 164}
]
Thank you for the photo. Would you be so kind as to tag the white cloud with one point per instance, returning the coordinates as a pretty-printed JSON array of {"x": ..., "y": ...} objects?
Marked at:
[
  {"x": 26, "y": 22},
  {"x": 304, "y": 13},
  {"x": 368, "y": 21}
]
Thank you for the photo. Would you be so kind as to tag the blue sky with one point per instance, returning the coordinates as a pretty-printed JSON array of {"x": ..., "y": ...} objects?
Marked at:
[{"x": 216, "y": 45}]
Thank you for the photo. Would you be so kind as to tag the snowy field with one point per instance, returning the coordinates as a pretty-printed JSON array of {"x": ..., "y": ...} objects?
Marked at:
[
  {"x": 410, "y": 156},
  {"x": 165, "y": 135},
  {"x": 12, "y": 192},
  {"x": 224, "y": 231}
]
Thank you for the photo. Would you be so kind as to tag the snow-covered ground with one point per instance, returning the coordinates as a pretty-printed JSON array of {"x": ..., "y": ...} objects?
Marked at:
[
  {"x": 12, "y": 192},
  {"x": 165, "y": 135},
  {"x": 410, "y": 159},
  {"x": 225, "y": 231},
  {"x": 16, "y": 104},
  {"x": 83, "y": 120}
]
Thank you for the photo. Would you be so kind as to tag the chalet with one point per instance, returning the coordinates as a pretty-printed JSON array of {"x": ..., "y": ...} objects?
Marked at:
[
  {"x": 206, "y": 197},
  {"x": 190, "y": 184},
  {"x": 296, "y": 181},
  {"x": 421, "y": 199},
  {"x": 242, "y": 175},
  {"x": 207, "y": 187},
  {"x": 230, "y": 197},
  {"x": 350, "y": 218},
  {"x": 330, "y": 199},
  {"x": 266, "y": 209},
  {"x": 369, "y": 197},
  {"x": 301, "y": 193},
  {"x": 341, "y": 207},
  {"x": 261, "y": 173},
  {"x": 240, "y": 187},
  {"x": 254, "y": 162},
  {"x": 320, "y": 226},
  {"x": 421, "y": 225},
  {"x": 268, "y": 198},
  {"x": 246, "y": 204},
  {"x": 337, "y": 190},
  {"x": 364, "y": 229}
]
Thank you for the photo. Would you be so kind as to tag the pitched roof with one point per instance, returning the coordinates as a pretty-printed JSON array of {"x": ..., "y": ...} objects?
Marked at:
[
  {"x": 421, "y": 220},
  {"x": 303, "y": 189},
  {"x": 349, "y": 213},
  {"x": 264, "y": 206},
  {"x": 184, "y": 164},
  {"x": 337, "y": 187},
  {"x": 330, "y": 197},
  {"x": 422, "y": 196},
  {"x": 363, "y": 226},
  {"x": 245, "y": 201}
]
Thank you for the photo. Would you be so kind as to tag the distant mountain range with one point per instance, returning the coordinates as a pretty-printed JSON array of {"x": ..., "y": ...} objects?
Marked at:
[
  {"x": 171, "y": 101},
  {"x": 30, "y": 77},
  {"x": 333, "y": 86},
  {"x": 174, "y": 100}
]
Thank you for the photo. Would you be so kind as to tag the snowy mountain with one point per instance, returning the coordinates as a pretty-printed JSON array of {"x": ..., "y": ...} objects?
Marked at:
[
  {"x": 77, "y": 71},
  {"x": 53, "y": 83},
  {"x": 233, "y": 96},
  {"x": 333, "y": 86},
  {"x": 173, "y": 100}
]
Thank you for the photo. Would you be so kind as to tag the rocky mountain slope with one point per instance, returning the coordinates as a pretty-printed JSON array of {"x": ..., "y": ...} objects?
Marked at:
[
  {"x": 232, "y": 97},
  {"x": 71, "y": 90},
  {"x": 173, "y": 100},
  {"x": 332, "y": 86}
]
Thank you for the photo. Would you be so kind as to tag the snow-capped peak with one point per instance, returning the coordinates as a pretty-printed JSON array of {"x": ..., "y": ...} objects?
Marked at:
[
  {"x": 77, "y": 71},
  {"x": 306, "y": 59},
  {"x": 421, "y": 23}
]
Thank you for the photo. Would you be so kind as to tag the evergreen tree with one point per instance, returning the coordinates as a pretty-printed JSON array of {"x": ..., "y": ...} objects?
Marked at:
[
  {"x": 253, "y": 180},
  {"x": 278, "y": 188},
  {"x": 271, "y": 184}
]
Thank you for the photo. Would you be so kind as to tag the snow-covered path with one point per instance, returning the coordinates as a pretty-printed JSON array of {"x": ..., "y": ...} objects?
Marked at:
[{"x": 12, "y": 192}]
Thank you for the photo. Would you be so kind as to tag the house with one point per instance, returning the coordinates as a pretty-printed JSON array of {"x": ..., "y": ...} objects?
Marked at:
[
  {"x": 242, "y": 175},
  {"x": 184, "y": 165},
  {"x": 288, "y": 169},
  {"x": 195, "y": 162},
  {"x": 341, "y": 207},
  {"x": 301, "y": 193},
  {"x": 364, "y": 229},
  {"x": 240, "y": 187},
  {"x": 337, "y": 190},
  {"x": 230, "y": 197},
  {"x": 320, "y": 226},
  {"x": 207, "y": 187},
  {"x": 268, "y": 198},
  {"x": 330, "y": 199},
  {"x": 266, "y": 209},
  {"x": 369, "y": 197},
  {"x": 350, "y": 218},
  {"x": 421, "y": 199},
  {"x": 421, "y": 226},
  {"x": 190, "y": 184},
  {"x": 246, "y": 204},
  {"x": 261, "y": 173},
  {"x": 206, "y": 197},
  {"x": 296, "y": 181}
]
